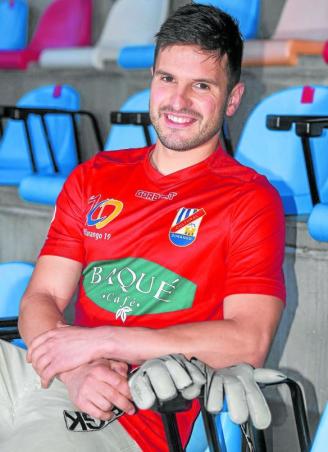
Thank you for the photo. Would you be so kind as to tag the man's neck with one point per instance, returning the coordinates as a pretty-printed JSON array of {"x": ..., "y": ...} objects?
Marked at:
[{"x": 167, "y": 161}]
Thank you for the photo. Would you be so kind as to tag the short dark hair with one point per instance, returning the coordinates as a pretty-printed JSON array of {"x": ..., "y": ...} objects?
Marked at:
[{"x": 208, "y": 27}]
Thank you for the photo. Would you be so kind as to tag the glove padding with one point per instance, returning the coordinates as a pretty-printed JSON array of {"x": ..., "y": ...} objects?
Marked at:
[
  {"x": 239, "y": 385},
  {"x": 162, "y": 379}
]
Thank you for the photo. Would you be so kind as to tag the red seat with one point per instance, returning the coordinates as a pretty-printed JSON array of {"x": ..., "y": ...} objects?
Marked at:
[{"x": 63, "y": 24}]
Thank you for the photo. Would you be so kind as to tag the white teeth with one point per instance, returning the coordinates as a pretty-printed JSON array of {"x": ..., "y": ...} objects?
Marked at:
[{"x": 178, "y": 119}]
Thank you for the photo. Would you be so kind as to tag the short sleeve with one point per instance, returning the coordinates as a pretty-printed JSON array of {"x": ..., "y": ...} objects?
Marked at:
[
  {"x": 65, "y": 235},
  {"x": 256, "y": 243}
]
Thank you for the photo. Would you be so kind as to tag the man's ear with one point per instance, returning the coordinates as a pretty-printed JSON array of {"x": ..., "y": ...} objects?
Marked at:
[
  {"x": 152, "y": 70},
  {"x": 234, "y": 98}
]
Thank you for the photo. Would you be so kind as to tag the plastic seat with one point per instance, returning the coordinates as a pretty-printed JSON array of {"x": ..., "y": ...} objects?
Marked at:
[
  {"x": 246, "y": 12},
  {"x": 325, "y": 52},
  {"x": 279, "y": 154},
  {"x": 13, "y": 24},
  {"x": 15, "y": 162},
  {"x": 293, "y": 36},
  {"x": 14, "y": 278},
  {"x": 320, "y": 439},
  {"x": 128, "y": 136},
  {"x": 63, "y": 24},
  {"x": 229, "y": 435},
  {"x": 128, "y": 23}
]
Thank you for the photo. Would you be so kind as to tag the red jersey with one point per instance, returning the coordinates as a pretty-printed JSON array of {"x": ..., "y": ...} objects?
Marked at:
[{"x": 165, "y": 250}]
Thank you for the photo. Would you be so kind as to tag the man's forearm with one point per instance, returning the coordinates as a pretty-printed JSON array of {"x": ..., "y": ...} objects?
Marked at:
[
  {"x": 218, "y": 343},
  {"x": 38, "y": 314}
]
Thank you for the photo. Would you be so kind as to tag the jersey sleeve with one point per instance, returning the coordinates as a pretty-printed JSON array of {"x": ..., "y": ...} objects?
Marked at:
[
  {"x": 65, "y": 235},
  {"x": 257, "y": 244}
]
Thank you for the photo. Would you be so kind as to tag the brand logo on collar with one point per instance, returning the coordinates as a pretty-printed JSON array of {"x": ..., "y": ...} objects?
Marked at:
[
  {"x": 185, "y": 227},
  {"x": 152, "y": 196}
]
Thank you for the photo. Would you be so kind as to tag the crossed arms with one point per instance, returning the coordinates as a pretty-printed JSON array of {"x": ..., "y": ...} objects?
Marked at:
[{"x": 93, "y": 362}]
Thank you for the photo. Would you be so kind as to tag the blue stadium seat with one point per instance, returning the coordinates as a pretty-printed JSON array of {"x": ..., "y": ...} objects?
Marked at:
[
  {"x": 128, "y": 136},
  {"x": 246, "y": 12},
  {"x": 320, "y": 439},
  {"x": 228, "y": 432},
  {"x": 15, "y": 161},
  {"x": 14, "y": 278},
  {"x": 279, "y": 154},
  {"x": 13, "y": 24}
]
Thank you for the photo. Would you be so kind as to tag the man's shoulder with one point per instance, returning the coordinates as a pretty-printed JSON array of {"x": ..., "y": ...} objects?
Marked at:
[
  {"x": 243, "y": 181},
  {"x": 129, "y": 156},
  {"x": 227, "y": 167}
]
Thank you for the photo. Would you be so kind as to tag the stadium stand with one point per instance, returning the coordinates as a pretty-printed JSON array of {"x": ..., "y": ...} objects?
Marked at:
[
  {"x": 14, "y": 16},
  {"x": 24, "y": 144},
  {"x": 247, "y": 14},
  {"x": 14, "y": 277},
  {"x": 279, "y": 154},
  {"x": 128, "y": 23},
  {"x": 302, "y": 30},
  {"x": 63, "y": 24}
]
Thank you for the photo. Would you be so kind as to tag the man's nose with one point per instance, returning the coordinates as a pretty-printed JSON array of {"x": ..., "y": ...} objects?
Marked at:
[{"x": 181, "y": 98}]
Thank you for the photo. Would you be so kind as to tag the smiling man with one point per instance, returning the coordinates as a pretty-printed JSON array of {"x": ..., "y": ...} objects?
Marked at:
[{"x": 195, "y": 270}]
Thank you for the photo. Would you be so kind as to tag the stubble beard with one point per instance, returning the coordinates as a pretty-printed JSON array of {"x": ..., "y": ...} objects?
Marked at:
[{"x": 181, "y": 144}]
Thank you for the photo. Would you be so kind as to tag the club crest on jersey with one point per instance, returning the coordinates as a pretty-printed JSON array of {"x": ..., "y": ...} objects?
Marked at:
[{"x": 185, "y": 226}]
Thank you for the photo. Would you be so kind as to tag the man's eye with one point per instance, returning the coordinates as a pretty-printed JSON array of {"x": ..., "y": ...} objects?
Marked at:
[
  {"x": 202, "y": 86},
  {"x": 167, "y": 78}
]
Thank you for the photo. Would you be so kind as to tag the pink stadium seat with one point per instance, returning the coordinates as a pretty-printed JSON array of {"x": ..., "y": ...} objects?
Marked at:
[
  {"x": 63, "y": 24},
  {"x": 325, "y": 52}
]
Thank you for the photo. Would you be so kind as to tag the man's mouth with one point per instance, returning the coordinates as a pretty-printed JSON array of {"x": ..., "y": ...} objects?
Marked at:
[{"x": 179, "y": 120}]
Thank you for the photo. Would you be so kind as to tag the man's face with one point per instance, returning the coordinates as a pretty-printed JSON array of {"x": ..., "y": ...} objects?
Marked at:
[{"x": 188, "y": 97}]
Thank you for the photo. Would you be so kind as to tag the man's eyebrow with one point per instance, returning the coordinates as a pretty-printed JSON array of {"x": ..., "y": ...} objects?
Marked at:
[
  {"x": 161, "y": 72},
  {"x": 210, "y": 81}
]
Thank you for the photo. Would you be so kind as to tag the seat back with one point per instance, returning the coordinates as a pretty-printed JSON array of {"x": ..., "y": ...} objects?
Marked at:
[
  {"x": 14, "y": 145},
  {"x": 14, "y": 277},
  {"x": 133, "y": 23},
  {"x": 320, "y": 439},
  {"x": 13, "y": 24},
  {"x": 246, "y": 12},
  {"x": 63, "y": 24},
  {"x": 130, "y": 136},
  {"x": 279, "y": 154},
  {"x": 293, "y": 25},
  {"x": 229, "y": 435}
]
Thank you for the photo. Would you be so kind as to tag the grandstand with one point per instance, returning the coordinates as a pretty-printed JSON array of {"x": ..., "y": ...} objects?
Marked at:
[{"x": 300, "y": 347}]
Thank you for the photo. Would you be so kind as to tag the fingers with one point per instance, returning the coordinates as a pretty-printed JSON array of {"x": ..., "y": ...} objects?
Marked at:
[
  {"x": 162, "y": 379},
  {"x": 213, "y": 394},
  {"x": 101, "y": 390},
  {"x": 267, "y": 376},
  {"x": 120, "y": 367},
  {"x": 236, "y": 399},
  {"x": 258, "y": 408},
  {"x": 142, "y": 392}
]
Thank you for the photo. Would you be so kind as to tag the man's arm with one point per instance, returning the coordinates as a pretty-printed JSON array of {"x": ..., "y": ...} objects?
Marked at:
[
  {"x": 51, "y": 288},
  {"x": 244, "y": 335},
  {"x": 96, "y": 386}
]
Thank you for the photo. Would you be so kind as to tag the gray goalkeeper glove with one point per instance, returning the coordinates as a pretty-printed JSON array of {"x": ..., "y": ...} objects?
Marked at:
[
  {"x": 239, "y": 385},
  {"x": 163, "y": 379}
]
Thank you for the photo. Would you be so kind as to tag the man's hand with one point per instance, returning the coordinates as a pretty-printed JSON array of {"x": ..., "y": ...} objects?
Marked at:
[
  {"x": 61, "y": 349},
  {"x": 239, "y": 385},
  {"x": 162, "y": 379},
  {"x": 95, "y": 388}
]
